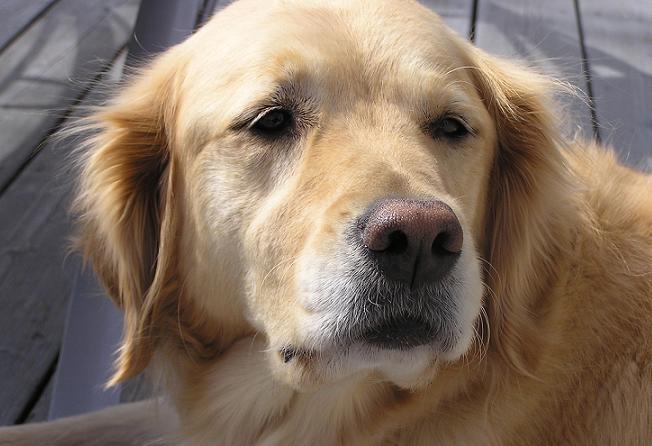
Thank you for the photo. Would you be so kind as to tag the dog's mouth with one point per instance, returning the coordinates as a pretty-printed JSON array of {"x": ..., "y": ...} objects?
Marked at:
[
  {"x": 395, "y": 333},
  {"x": 400, "y": 333}
]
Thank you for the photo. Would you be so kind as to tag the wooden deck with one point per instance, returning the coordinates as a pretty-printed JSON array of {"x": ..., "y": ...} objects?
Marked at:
[{"x": 55, "y": 53}]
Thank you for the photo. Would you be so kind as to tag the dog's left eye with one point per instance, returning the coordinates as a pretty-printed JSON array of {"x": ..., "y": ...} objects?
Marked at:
[
  {"x": 272, "y": 122},
  {"x": 449, "y": 127}
]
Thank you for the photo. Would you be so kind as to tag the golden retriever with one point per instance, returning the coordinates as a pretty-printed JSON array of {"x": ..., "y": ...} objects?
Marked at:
[{"x": 338, "y": 222}]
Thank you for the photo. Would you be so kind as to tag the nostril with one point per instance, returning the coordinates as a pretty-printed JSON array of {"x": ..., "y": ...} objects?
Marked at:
[
  {"x": 441, "y": 243},
  {"x": 398, "y": 242},
  {"x": 448, "y": 241}
]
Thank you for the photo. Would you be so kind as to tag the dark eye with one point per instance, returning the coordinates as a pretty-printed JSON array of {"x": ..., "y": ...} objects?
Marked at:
[
  {"x": 272, "y": 122},
  {"x": 449, "y": 127}
]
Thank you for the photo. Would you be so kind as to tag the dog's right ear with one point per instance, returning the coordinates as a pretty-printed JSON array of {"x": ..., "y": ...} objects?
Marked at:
[
  {"x": 125, "y": 203},
  {"x": 526, "y": 224}
]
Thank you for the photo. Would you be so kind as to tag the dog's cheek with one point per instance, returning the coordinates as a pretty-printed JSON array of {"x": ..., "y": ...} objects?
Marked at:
[
  {"x": 213, "y": 261},
  {"x": 225, "y": 239},
  {"x": 271, "y": 243}
]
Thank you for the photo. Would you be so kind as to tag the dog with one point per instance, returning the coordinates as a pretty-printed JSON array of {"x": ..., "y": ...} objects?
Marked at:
[{"x": 338, "y": 222}]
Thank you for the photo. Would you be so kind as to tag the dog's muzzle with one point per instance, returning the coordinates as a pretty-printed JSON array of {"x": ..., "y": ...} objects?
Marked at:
[
  {"x": 394, "y": 284},
  {"x": 410, "y": 248}
]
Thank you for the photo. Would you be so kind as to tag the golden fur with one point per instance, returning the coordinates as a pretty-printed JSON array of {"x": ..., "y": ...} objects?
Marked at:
[{"x": 201, "y": 233}]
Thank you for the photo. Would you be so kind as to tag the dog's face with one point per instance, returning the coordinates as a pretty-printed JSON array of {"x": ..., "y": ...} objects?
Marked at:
[
  {"x": 325, "y": 170},
  {"x": 346, "y": 178}
]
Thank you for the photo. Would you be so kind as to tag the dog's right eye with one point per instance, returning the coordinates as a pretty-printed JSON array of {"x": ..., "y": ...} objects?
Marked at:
[
  {"x": 272, "y": 122},
  {"x": 450, "y": 127}
]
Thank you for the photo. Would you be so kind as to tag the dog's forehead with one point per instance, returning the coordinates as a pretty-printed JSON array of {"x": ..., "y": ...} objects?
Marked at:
[{"x": 351, "y": 36}]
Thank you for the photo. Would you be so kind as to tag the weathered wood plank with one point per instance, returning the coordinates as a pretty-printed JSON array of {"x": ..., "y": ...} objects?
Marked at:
[
  {"x": 544, "y": 33},
  {"x": 46, "y": 69},
  {"x": 35, "y": 279},
  {"x": 618, "y": 40},
  {"x": 36, "y": 272},
  {"x": 17, "y": 15}
]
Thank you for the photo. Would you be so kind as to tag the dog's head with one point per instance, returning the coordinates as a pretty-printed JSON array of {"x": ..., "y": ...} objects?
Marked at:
[{"x": 328, "y": 175}]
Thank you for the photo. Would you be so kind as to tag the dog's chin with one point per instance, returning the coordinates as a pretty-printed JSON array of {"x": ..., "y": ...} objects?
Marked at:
[{"x": 407, "y": 366}]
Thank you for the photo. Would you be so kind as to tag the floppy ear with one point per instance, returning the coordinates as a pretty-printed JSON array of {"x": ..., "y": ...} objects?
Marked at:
[
  {"x": 125, "y": 202},
  {"x": 527, "y": 192}
]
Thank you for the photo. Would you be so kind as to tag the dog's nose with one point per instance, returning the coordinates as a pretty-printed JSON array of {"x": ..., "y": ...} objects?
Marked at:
[{"x": 414, "y": 241}]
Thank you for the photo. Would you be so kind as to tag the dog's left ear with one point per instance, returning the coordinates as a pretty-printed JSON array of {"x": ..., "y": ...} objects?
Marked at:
[
  {"x": 125, "y": 202},
  {"x": 524, "y": 223}
]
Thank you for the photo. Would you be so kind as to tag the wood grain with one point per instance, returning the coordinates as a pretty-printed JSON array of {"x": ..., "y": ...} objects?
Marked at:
[
  {"x": 45, "y": 70},
  {"x": 35, "y": 278},
  {"x": 17, "y": 15}
]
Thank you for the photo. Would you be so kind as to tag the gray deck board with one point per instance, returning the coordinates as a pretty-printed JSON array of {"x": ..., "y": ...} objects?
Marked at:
[
  {"x": 16, "y": 15},
  {"x": 49, "y": 66},
  {"x": 545, "y": 34},
  {"x": 35, "y": 279},
  {"x": 618, "y": 39},
  {"x": 36, "y": 273}
]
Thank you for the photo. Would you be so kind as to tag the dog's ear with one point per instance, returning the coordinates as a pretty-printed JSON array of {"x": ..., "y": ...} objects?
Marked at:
[
  {"x": 125, "y": 202},
  {"x": 524, "y": 221}
]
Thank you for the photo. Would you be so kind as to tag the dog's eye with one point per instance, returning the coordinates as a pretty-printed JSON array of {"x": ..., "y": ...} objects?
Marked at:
[
  {"x": 272, "y": 122},
  {"x": 449, "y": 127}
]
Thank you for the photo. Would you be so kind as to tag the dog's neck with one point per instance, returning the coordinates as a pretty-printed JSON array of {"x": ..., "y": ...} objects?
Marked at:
[{"x": 235, "y": 399}]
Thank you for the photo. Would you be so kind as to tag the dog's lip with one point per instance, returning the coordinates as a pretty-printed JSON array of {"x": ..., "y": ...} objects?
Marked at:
[
  {"x": 395, "y": 333},
  {"x": 399, "y": 333}
]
